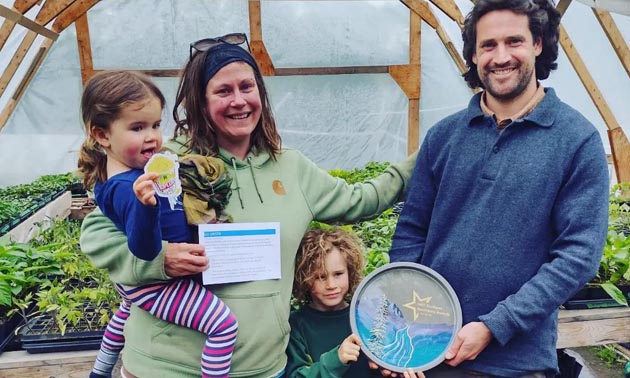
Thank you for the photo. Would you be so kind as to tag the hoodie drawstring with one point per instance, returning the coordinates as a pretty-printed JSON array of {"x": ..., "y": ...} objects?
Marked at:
[
  {"x": 238, "y": 187},
  {"x": 251, "y": 169}
]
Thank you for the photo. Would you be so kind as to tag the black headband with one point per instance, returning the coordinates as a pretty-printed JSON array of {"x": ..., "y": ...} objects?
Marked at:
[{"x": 223, "y": 54}]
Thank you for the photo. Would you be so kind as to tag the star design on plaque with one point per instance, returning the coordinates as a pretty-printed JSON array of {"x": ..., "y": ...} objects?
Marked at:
[{"x": 417, "y": 304}]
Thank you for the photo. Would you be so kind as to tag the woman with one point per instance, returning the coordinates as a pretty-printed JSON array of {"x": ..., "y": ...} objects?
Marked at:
[{"x": 226, "y": 113}]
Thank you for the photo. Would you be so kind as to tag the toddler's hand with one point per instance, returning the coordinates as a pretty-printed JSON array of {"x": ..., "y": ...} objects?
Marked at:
[
  {"x": 411, "y": 374},
  {"x": 143, "y": 189},
  {"x": 349, "y": 349}
]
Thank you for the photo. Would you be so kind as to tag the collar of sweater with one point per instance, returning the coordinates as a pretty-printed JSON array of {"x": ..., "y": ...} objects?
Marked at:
[
  {"x": 254, "y": 157},
  {"x": 543, "y": 115}
]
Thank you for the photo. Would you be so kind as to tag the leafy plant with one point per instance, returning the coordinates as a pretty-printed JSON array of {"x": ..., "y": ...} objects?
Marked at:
[
  {"x": 608, "y": 354},
  {"x": 67, "y": 301},
  {"x": 71, "y": 291},
  {"x": 82, "y": 285},
  {"x": 614, "y": 264},
  {"x": 22, "y": 267},
  {"x": 371, "y": 170},
  {"x": 20, "y": 200},
  {"x": 376, "y": 234}
]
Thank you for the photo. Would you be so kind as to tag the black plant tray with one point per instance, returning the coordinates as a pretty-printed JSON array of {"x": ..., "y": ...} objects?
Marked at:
[
  {"x": 8, "y": 341},
  {"x": 41, "y": 335},
  {"x": 594, "y": 297},
  {"x": 4, "y": 228},
  {"x": 62, "y": 346}
]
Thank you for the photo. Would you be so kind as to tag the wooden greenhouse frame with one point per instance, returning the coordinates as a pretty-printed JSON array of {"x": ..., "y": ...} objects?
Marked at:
[{"x": 63, "y": 13}]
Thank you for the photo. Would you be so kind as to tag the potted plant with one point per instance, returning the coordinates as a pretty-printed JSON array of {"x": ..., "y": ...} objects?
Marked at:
[
  {"x": 73, "y": 302},
  {"x": 70, "y": 315},
  {"x": 611, "y": 286},
  {"x": 22, "y": 267}
]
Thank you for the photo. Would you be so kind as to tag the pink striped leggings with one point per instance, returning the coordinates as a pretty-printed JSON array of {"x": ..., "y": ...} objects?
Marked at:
[{"x": 185, "y": 303}]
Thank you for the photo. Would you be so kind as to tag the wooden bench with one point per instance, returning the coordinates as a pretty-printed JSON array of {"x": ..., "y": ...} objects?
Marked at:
[{"x": 575, "y": 328}]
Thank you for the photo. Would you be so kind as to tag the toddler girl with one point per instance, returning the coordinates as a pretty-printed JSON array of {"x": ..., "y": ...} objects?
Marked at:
[{"x": 122, "y": 113}]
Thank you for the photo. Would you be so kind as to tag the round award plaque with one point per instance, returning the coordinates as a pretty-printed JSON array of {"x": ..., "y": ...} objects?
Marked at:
[{"x": 406, "y": 315}]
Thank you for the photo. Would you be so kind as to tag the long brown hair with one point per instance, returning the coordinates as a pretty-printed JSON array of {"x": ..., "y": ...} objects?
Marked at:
[
  {"x": 104, "y": 97},
  {"x": 200, "y": 130},
  {"x": 314, "y": 247}
]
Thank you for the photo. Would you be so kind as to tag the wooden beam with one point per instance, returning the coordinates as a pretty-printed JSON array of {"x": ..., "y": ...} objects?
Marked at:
[
  {"x": 614, "y": 36},
  {"x": 593, "y": 327},
  {"x": 85, "y": 47},
  {"x": 451, "y": 10},
  {"x": 259, "y": 51},
  {"x": 30, "y": 72},
  {"x": 413, "y": 132},
  {"x": 562, "y": 6},
  {"x": 415, "y": 41},
  {"x": 7, "y": 27},
  {"x": 72, "y": 13},
  {"x": 57, "y": 364},
  {"x": 24, "y": 6},
  {"x": 331, "y": 70},
  {"x": 304, "y": 71},
  {"x": 587, "y": 80},
  {"x": 452, "y": 50},
  {"x": 407, "y": 76},
  {"x": 411, "y": 84},
  {"x": 48, "y": 11},
  {"x": 16, "y": 17},
  {"x": 12, "y": 103},
  {"x": 422, "y": 9},
  {"x": 255, "y": 25},
  {"x": 257, "y": 46},
  {"x": 153, "y": 73},
  {"x": 5, "y": 31},
  {"x": 16, "y": 60},
  {"x": 620, "y": 150}
]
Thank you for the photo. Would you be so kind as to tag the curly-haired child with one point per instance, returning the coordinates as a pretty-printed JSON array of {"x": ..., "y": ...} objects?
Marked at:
[{"x": 328, "y": 268}]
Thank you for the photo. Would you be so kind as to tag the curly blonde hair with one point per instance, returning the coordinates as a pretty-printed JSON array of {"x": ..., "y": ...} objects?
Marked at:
[{"x": 309, "y": 264}]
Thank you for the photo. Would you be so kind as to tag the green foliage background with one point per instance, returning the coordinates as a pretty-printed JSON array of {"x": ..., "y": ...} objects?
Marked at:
[{"x": 376, "y": 234}]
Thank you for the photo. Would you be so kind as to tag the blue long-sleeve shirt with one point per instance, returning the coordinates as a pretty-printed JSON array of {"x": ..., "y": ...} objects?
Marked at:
[
  {"x": 515, "y": 221},
  {"x": 145, "y": 226}
]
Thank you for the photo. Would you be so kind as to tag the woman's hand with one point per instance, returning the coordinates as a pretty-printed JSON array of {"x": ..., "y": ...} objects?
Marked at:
[
  {"x": 143, "y": 188},
  {"x": 183, "y": 259},
  {"x": 349, "y": 349}
]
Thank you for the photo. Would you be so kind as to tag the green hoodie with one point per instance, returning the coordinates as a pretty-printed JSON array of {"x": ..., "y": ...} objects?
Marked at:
[{"x": 291, "y": 190}]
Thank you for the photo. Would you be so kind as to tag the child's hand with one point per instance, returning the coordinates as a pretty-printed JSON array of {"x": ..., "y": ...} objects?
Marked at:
[
  {"x": 349, "y": 349},
  {"x": 411, "y": 374},
  {"x": 143, "y": 188}
]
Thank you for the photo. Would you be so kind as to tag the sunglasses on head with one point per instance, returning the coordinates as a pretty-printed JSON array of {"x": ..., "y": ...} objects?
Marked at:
[{"x": 208, "y": 43}]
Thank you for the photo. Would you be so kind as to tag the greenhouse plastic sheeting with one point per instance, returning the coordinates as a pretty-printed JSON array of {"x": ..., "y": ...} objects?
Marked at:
[{"x": 339, "y": 121}]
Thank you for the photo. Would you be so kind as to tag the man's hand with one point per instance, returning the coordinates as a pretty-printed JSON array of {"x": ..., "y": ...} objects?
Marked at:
[
  {"x": 183, "y": 259},
  {"x": 471, "y": 340},
  {"x": 349, "y": 349},
  {"x": 143, "y": 188}
]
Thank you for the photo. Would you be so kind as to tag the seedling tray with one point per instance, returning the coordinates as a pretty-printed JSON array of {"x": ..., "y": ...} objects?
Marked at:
[
  {"x": 8, "y": 341},
  {"x": 594, "y": 297},
  {"x": 41, "y": 334}
]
